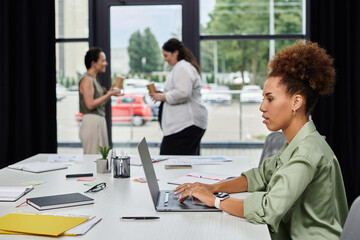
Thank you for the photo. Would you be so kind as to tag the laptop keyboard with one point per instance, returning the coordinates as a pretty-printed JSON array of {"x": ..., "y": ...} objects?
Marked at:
[{"x": 170, "y": 199}]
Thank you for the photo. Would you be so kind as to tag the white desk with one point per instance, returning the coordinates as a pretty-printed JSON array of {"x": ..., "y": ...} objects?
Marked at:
[{"x": 124, "y": 197}]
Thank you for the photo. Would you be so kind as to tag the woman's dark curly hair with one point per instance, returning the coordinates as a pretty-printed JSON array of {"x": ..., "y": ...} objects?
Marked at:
[{"x": 306, "y": 69}]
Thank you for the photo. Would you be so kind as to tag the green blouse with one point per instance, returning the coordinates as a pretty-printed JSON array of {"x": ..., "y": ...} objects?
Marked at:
[
  {"x": 299, "y": 192},
  {"x": 98, "y": 92}
]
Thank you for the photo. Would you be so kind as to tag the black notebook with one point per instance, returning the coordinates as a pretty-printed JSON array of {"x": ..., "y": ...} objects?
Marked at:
[{"x": 59, "y": 201}]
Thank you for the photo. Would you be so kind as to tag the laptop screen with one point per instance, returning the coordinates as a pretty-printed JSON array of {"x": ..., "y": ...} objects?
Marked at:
[{"x": 149, "y": 170}]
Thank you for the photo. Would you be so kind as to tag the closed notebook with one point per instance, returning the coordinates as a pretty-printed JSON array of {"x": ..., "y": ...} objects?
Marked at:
[
  {"x": 38, "y": 167},
  {"x": 59, "y": 201},
  {"x": 33, "y": 223}
]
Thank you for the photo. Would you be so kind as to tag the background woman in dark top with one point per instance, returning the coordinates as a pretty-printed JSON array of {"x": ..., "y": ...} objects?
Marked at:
[{"x": 92, "y": 100}]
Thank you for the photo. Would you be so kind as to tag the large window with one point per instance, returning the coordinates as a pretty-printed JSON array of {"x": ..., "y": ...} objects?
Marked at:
[
  {"x": 237, "y": 40},
  {"x": 233, "y": 40},
  {"x": 251, "y": 17},
  {"x": 72, "y": 34}
]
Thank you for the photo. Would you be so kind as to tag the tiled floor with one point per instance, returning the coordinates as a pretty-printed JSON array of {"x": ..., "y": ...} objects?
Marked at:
[{"x": 253, "y": 153}]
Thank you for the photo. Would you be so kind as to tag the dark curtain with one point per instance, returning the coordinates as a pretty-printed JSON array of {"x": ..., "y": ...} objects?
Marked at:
[
  {"x": 335, "y": 25},
  {"x": 27, "y": 78}
]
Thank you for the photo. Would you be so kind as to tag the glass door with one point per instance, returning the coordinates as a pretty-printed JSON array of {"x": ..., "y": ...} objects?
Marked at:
[{"x": 137, "y": 33}]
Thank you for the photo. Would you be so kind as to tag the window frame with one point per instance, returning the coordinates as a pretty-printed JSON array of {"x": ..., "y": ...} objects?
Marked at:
[
  {"x": 305, "y": 8},
  {"x": 70, "y": 39},
  {"x": 99, "y": 31}
]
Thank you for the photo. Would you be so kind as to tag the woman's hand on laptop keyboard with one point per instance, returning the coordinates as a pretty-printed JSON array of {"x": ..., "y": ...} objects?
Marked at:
[{"x": 198, "y": 190}]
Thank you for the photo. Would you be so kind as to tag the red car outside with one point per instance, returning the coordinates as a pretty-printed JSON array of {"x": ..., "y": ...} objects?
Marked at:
[{"x": 127, "y": 108}]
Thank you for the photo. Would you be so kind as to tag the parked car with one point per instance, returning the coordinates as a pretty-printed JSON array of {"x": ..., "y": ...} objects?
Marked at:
[
  {"x": 127, "y": 108},
  {"x": 132, "y": 108},
  {"x": 135, "y": 83},
  {"x": 154, "y": 106},
  {"x": 251, "y": 94},
  {"x": 74, "y": 88},
  {"x": 217, "y": 95},
  {"x": 138, "y": 86}
]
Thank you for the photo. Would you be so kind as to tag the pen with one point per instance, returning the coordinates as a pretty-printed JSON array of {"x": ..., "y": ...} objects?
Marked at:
[
  {"x": 159, "y": 159},
  {"x": 79, "y": 175},
  {"x": 140, "y": 218}
]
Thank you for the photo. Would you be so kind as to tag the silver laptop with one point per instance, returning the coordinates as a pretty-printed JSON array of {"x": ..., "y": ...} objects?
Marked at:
[{"x": 165, "y": 200}]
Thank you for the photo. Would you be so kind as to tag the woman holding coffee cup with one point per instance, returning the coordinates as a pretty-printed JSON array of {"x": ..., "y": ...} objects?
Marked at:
[
  {"x": 184, "y": 116},
  {"x": 92, "y": 100}
]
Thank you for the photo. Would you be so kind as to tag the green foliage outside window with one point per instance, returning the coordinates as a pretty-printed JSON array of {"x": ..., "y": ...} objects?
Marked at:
[
  {"x": 144, "y": 52},
  {"x": 244, "y": 17}
]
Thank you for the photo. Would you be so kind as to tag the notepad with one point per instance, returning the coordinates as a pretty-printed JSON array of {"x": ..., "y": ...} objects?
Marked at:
[
  {"x": 40, "y": 224},
  {"x": 38, "y": 167},
  {"x": 59, "y": 201},
  {"x": 11, "y": 194}
]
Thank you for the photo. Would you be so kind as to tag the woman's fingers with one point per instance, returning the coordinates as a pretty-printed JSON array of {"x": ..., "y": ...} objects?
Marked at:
[
  {"x": 186, "y": 193},
  {"x": 183, "y": 197},
  {"x": 181, "y": 188}
]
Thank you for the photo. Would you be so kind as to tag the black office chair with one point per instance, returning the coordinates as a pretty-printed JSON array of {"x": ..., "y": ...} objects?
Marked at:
[
  {"x": 273, "y": 143},
  {"x": 351, "y": 230}
]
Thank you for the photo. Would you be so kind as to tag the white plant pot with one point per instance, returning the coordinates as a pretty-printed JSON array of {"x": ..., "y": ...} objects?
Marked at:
[{"x": 101, "y": 166}]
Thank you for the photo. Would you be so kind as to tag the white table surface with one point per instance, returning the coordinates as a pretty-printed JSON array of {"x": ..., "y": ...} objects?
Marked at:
[{"x": 124, "y": 197}]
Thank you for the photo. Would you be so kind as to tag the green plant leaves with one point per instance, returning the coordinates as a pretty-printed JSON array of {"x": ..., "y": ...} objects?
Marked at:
[{"x": 104, "y": 151}]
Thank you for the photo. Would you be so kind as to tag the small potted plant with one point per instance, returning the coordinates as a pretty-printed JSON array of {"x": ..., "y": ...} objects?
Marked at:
[{"x": 102, "y": 165}]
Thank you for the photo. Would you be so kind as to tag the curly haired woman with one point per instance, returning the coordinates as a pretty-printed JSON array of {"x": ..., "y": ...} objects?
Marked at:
[{"x": 299, "y": 192}]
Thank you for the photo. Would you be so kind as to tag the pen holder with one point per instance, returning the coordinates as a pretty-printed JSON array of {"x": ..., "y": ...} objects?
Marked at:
[{"x": 121, "y": 167}]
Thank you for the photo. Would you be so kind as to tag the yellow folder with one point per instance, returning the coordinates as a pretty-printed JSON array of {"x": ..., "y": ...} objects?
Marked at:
[{"x": 40, "y": 224}]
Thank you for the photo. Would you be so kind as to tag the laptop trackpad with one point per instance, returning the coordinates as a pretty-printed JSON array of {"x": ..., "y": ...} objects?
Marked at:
[{"x": 169, "y": 200}]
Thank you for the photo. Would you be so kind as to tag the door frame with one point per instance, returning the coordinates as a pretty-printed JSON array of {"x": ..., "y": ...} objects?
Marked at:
[{"x": 99, "y": 32}]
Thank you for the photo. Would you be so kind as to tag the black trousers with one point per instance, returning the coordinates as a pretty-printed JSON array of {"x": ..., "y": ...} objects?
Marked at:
[{"x": 185, "y": 142}]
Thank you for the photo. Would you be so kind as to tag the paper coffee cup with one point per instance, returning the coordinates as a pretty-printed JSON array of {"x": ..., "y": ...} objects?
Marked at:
[
  {"x": 151, "y": 87},
  {"x": 119, "y": 82}
]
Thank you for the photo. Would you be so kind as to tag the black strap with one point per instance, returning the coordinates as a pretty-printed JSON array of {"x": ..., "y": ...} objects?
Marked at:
[{"x": 160, "y": 113}]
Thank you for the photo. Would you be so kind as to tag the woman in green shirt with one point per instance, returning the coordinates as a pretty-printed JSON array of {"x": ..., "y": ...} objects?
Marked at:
[
  {"x": 299, "y": 192},
  {"x": 92, "y": 100}
]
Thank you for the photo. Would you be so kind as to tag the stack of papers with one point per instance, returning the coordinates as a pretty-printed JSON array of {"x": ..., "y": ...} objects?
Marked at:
[
  {"x": 46, "y": 224},
  {"x": 11, "y": 194},
  {"x": 206, "y": 178},
  {"x": 136, "y": 161},
  {"x": 40, "y": 224},
  {"x": 84, "y": 227}
]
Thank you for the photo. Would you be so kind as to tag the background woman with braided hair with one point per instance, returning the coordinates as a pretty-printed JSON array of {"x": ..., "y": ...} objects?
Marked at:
[
  {"x": 299, "y": 193},
  {"x": 184, "y": 116}
]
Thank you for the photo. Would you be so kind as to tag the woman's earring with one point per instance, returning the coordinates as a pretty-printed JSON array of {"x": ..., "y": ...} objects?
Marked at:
[{"x": 294, "y": 112}]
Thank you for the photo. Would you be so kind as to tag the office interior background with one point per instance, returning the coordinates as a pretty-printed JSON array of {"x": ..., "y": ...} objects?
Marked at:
[{"x": 43, "y": 42}]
